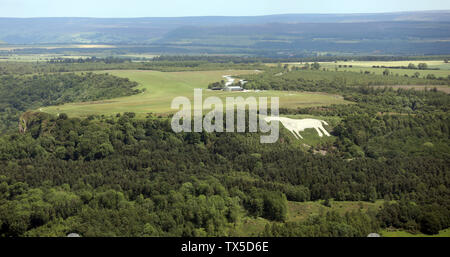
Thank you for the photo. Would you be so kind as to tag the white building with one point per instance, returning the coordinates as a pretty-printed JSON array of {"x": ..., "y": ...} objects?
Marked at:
[{"x": 233, "y": 88}]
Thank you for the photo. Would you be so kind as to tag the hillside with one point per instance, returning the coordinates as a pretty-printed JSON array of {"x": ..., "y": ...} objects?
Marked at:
[
  {"x": 21, "y": 93},
  {"x": 413, "y": 33}
]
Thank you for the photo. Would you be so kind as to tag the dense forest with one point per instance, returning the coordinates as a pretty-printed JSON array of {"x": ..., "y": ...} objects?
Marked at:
[
  {"x": 121, "y": 175},
  {"x": 73, "y": 175}
]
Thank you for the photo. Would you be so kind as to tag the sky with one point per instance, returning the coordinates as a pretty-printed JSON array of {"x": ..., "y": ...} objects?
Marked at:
[{"x": 177, "y": 8}]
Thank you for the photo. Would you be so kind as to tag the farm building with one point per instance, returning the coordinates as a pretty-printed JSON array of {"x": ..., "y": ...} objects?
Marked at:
[{"x": 233, "y": 88}]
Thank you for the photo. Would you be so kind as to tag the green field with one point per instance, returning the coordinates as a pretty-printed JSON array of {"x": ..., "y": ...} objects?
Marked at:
[
  {"x": 368, "y": 64},
  {"x": 401, "y": 233},
  {"x": 162, "y": 87},
  {"x": 400, "y": 72},
  {"x": 358, "y": 66},
  {"x": 300, "y": 211}
]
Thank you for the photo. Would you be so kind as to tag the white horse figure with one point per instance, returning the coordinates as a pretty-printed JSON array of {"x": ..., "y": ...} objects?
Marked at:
[{"x": 295, "y": 126}]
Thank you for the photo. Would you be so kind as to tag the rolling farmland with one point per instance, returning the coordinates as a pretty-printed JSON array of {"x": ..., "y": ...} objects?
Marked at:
[{"x": 162, "y": 87}]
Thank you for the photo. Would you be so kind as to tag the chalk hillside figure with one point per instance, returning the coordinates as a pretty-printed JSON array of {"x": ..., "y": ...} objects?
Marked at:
[{"x": 296, "y": 126}]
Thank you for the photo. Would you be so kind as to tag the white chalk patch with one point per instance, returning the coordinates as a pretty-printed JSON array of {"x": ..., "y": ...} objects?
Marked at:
[{"x": 295, "y": 126}]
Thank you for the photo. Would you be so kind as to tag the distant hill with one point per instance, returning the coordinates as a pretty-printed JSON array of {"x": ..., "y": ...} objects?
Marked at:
[{"x": 385, "y": 33}]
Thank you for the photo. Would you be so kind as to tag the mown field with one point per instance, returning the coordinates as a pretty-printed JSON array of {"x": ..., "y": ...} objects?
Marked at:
[
  {"x": 362, "y": 66},
  {"x": 162, "y": 87},
  {"x": 400, "y": 72},
  {"x": 368, "y": 64}
]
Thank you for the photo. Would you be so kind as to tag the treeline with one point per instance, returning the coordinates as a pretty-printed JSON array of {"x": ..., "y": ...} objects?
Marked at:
[
  {"x": 68, "y": 65},
  {"x": 27, "y": 68},
  {"x": 21, "y": 93},
  {"x": 197, "y": 65},
  {"x": 411, "y": 66},
  {"x": 322, "y": 58},
  {"x": 93, "y": 59}
]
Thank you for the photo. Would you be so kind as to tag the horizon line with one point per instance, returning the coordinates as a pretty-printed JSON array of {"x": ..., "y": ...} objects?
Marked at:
[{"x": 225, "y": 16}]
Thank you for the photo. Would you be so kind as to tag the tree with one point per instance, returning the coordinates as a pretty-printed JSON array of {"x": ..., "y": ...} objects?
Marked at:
[
  {"x": 327, "y": 202},
  {"x": 275, "y": 206},
  {"x": 62, "y": 116},
  {"x": 430, "y": 224},
  {"x": 431, "y": 76},
  {"x": 412, "y": 66},
  {"x": 423, "y": 66},
  {"x": 316, "y": 66}
]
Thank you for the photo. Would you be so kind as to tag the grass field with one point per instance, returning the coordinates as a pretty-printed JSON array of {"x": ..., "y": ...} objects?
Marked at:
[
  {"x": 368, "y": 64},
  {"x": 162, "y": 87},
  {"x": 358, "y": 66},
  {"x": 401, "y": 233},
  {"x": 300, "y": 211},
  {"x": 400, "y": 72}
]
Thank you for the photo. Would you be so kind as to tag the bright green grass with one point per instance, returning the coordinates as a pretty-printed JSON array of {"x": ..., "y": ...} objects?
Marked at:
[
  {"x": 367, "y": 66},
  {"x": 401, "y": 233},
  {"x": 162, "y": 87},
  {"x": 248, "y": 226}
]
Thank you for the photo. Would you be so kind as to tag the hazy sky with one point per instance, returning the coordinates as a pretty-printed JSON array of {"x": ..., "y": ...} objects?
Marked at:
[{"x": 174, "y": 8}]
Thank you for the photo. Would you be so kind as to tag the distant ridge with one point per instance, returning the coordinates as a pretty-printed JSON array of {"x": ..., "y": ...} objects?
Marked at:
[
  {"x": 425, "y": 32},
  {"x": 430, "y": 15}
]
